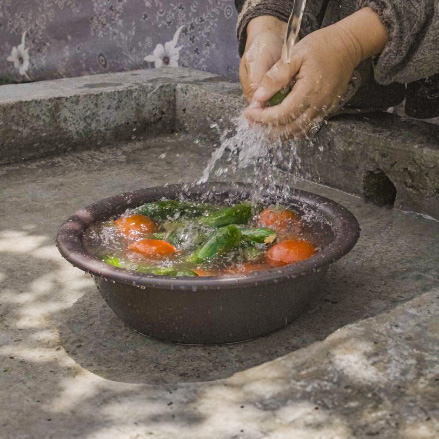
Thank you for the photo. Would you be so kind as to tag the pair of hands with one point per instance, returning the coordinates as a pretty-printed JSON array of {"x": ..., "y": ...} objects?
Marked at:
[{"x": 322, "y": 64}]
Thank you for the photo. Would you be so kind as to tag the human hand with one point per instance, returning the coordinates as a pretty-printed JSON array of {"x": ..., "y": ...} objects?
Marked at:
[
  {"x": 263, "y": 49},
  {"x": 321, "y": 67}
]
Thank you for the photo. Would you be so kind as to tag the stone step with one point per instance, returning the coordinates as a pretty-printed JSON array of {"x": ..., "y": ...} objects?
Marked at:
[
  {"x": 382, "y": 157},
  {"x": 51, "y": 117}
]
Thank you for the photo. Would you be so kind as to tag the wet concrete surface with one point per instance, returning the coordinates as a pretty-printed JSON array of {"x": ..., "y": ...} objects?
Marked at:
[{"x": 54, "y": 310}]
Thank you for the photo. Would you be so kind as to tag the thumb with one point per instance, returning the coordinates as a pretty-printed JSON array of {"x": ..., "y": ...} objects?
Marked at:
[{"x": 276, "y": 78}]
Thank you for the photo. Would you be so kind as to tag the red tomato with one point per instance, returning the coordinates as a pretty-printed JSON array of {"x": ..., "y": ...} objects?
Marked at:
[
  {"x": 289, "y": 251},
  {"x": 153, "y": 248},
  {"x": 277, "y": 219},
  {"x": 135, "y": 225},
  {"x": 246, "y": 267},
  {"x": 203, "y": 272}
]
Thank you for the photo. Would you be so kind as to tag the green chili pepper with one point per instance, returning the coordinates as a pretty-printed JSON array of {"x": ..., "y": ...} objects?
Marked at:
[
  {"x": 187, "y": 235},
  {"x": 278, "y": 97},
  {"x": 262, "y": 235},
  {"x": 188, "y": 273},
  {"x": 239, "y": 214},
  {"x": 113, "y": 260},
  {"x": 253, "y": 254},
  {"x": 161, "y": 210},
  {"x": 166, "y": 271},
  {"x": 222, "y": 241}
]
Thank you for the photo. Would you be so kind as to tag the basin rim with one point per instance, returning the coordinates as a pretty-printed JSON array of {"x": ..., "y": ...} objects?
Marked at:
[{"x": 69, "y": 239}]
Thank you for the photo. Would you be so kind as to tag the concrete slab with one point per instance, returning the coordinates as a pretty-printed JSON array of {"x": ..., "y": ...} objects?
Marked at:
[
  {"x": 70, "y": 368},
  {"x": 50, "y": 117}
]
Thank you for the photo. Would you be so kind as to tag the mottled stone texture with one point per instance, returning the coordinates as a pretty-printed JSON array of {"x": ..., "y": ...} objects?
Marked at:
[
  {"x": 407, "y": 152},
  {"x": 51, "y": 117},
  {"x": 377, "y": 378},
  {"x": 362, "y": 362}
]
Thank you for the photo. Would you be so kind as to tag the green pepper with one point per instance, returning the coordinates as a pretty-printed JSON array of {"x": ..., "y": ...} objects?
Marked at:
[
  {"x": 239, "y": 214},
  {"x": 186, "y": 235},
  {"x": 262, "y": 236},
  {"x": 160, "y": 236},
  {"x": 252, "y": 254},
  {"x": 161, "y": 210},
  {"x": 278, "y": 97},
  {"x": 193, "y": 210},
  {"x": 162, "y": 271},
  {"x": 187, "y": 273},
  {"x": 166, "y": 271},
  {"x": 113, "y": 260},
  {"x": 222, "y": 241},
  {"x": 246, "y": 252}
]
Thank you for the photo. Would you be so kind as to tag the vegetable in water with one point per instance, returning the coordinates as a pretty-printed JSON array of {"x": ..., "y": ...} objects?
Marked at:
[
  {"x": 222, "y": 241},
  {"x": 135, "y": 225},
  {"x": 175, "y": 238},
  {"x": 166, "y": 271},
  {"x": 160, "y": 236},
  {"x": 278, "y": 218},
  {"x": 239, "y": 214},
  {"x": 252, "y": 254},
  {"x": 203, "y": 272},
  {"x": 113, "y": 260},
  {"x": 186, "y": 235},
  {"x": 261, "y": 235},
  {"x": 153, "y": 248},
  {"x": 289, "y": 251},
  {"x": 162, "y": 210}
]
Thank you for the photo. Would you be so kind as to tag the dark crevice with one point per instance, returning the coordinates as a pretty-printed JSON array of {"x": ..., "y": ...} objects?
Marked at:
[{"x": 378, "y": 189}]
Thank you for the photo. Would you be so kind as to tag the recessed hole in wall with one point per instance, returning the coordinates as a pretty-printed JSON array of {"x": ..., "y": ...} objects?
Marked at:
[{"x": 378, "y": 189}]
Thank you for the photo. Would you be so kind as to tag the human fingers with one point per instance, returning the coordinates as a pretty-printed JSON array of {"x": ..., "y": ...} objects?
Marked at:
[
  {"x": 262, "y": 52},
  {"x": 304, "y": 126},
  {"x": 297, "y": 101},
  {"x": 279, "y": 76}
]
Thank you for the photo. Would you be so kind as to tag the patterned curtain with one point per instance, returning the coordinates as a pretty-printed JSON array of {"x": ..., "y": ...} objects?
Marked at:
[{"x": 47, "y": 39}]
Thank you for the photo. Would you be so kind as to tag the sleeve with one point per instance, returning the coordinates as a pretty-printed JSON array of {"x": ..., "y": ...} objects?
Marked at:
[
  {"x": 281, "y": 9},
  {"x": 412, "y": 51},
  {"x": 250, "y": 9}
]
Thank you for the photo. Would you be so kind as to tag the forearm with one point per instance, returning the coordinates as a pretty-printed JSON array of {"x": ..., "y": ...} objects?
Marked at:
[
  {"x": 265, "y": 23},
  {"x": 363, "y": 34},
  {"x": 251, "y": 11}
]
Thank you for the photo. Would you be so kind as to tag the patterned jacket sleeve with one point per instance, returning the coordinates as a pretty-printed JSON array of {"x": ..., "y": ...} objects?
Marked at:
[{"x": 412, "y": 52}]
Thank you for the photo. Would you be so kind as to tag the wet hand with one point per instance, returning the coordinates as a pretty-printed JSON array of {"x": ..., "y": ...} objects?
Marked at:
[
  {"x": 320, "y": 69},
  {"x": 263, "y": 49}
]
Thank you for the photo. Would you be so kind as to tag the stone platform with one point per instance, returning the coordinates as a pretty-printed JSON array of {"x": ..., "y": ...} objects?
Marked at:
[{"x": 361, "y": 362}]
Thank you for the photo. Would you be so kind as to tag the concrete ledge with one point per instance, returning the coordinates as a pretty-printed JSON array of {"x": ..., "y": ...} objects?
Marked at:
[
  {"x": 50, "y": 117},
  {"x": 373, "y": 155},
  {"x": 353, "y": 153}
]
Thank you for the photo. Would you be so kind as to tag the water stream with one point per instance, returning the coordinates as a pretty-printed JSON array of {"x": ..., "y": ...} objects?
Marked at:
[{"x": 250, "y": 146}]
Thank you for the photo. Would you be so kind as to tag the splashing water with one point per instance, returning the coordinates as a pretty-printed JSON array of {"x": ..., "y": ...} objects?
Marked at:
[{"x": 251, "y": 146}]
